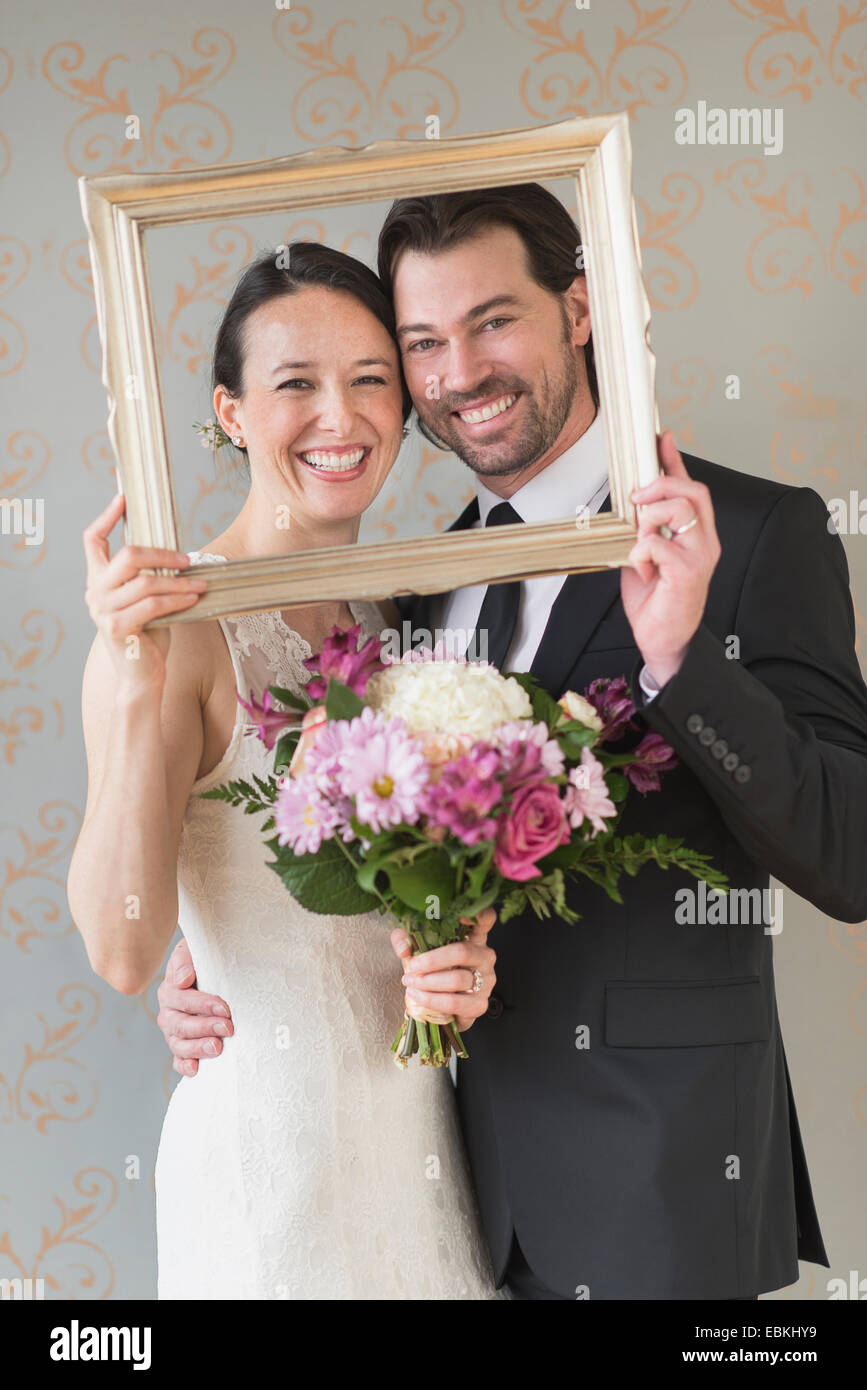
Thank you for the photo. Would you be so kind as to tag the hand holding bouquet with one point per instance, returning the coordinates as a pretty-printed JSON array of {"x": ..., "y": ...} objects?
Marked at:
[{"x": 431, "y": 789}]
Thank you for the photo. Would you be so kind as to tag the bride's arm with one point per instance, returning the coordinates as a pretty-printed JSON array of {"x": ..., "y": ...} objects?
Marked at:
[{"x": 143, "y": 735}]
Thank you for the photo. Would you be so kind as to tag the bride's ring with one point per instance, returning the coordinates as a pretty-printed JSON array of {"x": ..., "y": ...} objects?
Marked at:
[
  {"x": 667, "y": 532},
  {"x": 477, "y": 982}
]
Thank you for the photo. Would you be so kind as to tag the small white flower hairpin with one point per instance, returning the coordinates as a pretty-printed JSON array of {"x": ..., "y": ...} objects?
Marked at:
[{"x": 212, "y": 435}]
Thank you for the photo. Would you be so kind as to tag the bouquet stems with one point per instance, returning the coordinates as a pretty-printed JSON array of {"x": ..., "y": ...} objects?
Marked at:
[{"x": 433, "y": 1035}]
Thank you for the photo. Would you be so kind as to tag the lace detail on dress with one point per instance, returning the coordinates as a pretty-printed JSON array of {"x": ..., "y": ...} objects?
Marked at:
[{"x": 297, "y": 1165}]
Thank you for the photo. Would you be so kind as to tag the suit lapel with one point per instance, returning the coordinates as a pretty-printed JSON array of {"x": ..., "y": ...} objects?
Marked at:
[{"x": 576, "y": 612}]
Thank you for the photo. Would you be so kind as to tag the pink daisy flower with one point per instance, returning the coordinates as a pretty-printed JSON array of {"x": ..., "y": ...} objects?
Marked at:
[
  {"x": 383, "y": 769},
  {"x": 303, "y": 817}
]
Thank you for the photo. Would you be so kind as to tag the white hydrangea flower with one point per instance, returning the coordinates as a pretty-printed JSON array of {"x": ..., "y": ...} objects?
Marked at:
[{"x": 448, "y": 697}]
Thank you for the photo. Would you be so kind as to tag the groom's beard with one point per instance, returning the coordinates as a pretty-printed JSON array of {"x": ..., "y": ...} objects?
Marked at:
[{"x": 543, "y": 420}]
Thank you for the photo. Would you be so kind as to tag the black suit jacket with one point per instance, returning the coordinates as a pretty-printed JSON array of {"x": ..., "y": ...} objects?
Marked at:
[{"x": 664, "y": 1161}]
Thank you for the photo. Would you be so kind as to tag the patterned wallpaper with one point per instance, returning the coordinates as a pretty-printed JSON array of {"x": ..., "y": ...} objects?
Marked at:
[{"x": 755, "y": 263}]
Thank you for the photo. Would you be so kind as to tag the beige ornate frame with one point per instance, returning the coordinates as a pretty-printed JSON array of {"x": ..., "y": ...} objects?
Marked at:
[{"x": 119, "y": 208}]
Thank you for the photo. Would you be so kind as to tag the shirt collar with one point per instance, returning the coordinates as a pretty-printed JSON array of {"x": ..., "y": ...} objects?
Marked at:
[{"x": 576, "y": 479}]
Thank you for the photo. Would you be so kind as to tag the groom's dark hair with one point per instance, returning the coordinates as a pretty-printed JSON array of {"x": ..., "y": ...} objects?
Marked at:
[{"x": 437, "y": 222}]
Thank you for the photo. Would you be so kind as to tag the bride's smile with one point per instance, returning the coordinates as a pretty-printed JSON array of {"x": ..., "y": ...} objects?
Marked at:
[{"x": 337, "y": 462}]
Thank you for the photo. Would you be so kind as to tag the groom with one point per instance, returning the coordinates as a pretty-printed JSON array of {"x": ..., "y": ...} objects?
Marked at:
[{"x": 627, "y": 1108}]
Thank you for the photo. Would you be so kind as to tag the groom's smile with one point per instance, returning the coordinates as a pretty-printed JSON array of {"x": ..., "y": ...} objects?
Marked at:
[{"x": 484, "y": 412}]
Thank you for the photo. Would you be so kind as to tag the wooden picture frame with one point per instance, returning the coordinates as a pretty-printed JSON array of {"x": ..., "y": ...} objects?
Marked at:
[{"x": 596, "y": 152}]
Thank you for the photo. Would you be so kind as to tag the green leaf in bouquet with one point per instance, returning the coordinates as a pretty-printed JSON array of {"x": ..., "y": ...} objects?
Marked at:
[
  {"x": 565, "y": 856},
  {"x": 288, "y": 698},
  {"x": 546, "y": 896},
  {"x": 604, "y": 875},
  {"x": 618, "y": 786},
  {"x": 574, "y": 739},
  {"x": 340, "y": 701},
  {"x": 268, "y": 789},
  {"x": 239, "y": 792},
  {"x": 325, "y": 882},
  {"x": 471, "y": 906},
  {"x": 524, "y": 680},
  {"x": 512, "y": 905},
  {"x": 544, "y": 705},
  {"x": 427, "y": 875},
  {"x": 368, "y": 869},
  {"x": 477, "y": 874},
  {"x": 285, "y": 749}
]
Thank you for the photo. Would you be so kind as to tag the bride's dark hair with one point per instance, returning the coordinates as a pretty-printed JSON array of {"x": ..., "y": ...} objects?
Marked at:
[{"x": 295, "y": 267}]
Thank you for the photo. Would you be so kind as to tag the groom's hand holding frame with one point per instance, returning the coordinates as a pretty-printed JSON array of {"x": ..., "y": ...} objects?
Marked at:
[{"x": 665, "y": 584}]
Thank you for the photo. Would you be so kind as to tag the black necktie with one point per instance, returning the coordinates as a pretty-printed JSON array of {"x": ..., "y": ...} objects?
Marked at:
[{"x": 498, "y": 617}]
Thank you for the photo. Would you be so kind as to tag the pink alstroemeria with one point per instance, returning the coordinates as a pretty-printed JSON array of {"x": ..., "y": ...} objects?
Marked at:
[
  {"x": 444, "y": 650},
  {"x": 586, "y": 796},
  {"x": 465, "y": 793},
  {"x": 523, "y": 730},
  {"x": 652, "y": 756},
  {"x": 270, "y": 721},
  {"x": 524, "y": 764},
  {"x": 340, "y": 659}
]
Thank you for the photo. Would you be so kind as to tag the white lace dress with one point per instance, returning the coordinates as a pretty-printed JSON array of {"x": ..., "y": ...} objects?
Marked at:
[{"x": 301, "y": 1163}]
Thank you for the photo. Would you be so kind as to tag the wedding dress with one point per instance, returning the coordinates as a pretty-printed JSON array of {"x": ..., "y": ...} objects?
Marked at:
[{"x": 301, "y": 1163}]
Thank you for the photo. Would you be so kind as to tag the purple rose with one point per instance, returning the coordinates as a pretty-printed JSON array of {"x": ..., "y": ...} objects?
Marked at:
[{"x": 534, "y": 826}]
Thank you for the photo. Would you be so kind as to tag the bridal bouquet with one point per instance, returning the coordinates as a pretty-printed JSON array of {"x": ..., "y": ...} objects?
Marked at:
[{"x": 432, "y": 788}]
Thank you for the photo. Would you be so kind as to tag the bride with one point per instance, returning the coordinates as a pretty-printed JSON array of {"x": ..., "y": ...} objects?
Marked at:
[{"x": 295, "y": 1167}]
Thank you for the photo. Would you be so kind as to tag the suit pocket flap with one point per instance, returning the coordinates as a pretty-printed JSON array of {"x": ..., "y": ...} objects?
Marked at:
[{"x": 684, "y": 1013}]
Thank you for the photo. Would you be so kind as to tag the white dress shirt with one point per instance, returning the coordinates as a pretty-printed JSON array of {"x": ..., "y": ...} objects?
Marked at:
[{"x": 575, "y": 483}]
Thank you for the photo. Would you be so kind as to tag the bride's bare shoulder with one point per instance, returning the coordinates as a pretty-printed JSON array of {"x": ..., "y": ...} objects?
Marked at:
[{"x": 196, "y": 651}]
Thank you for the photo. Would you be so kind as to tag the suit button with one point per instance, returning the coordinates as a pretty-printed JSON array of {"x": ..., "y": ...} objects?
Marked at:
[
  {"x": 720, "y": 748},
  {"x": 742, "y": 773},
  {"x": 695, "y": 723},
  {"x": 495, "y": 1006},
  {"x": 730, "y": 761},
  {"x": 707, "y": 735}
]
